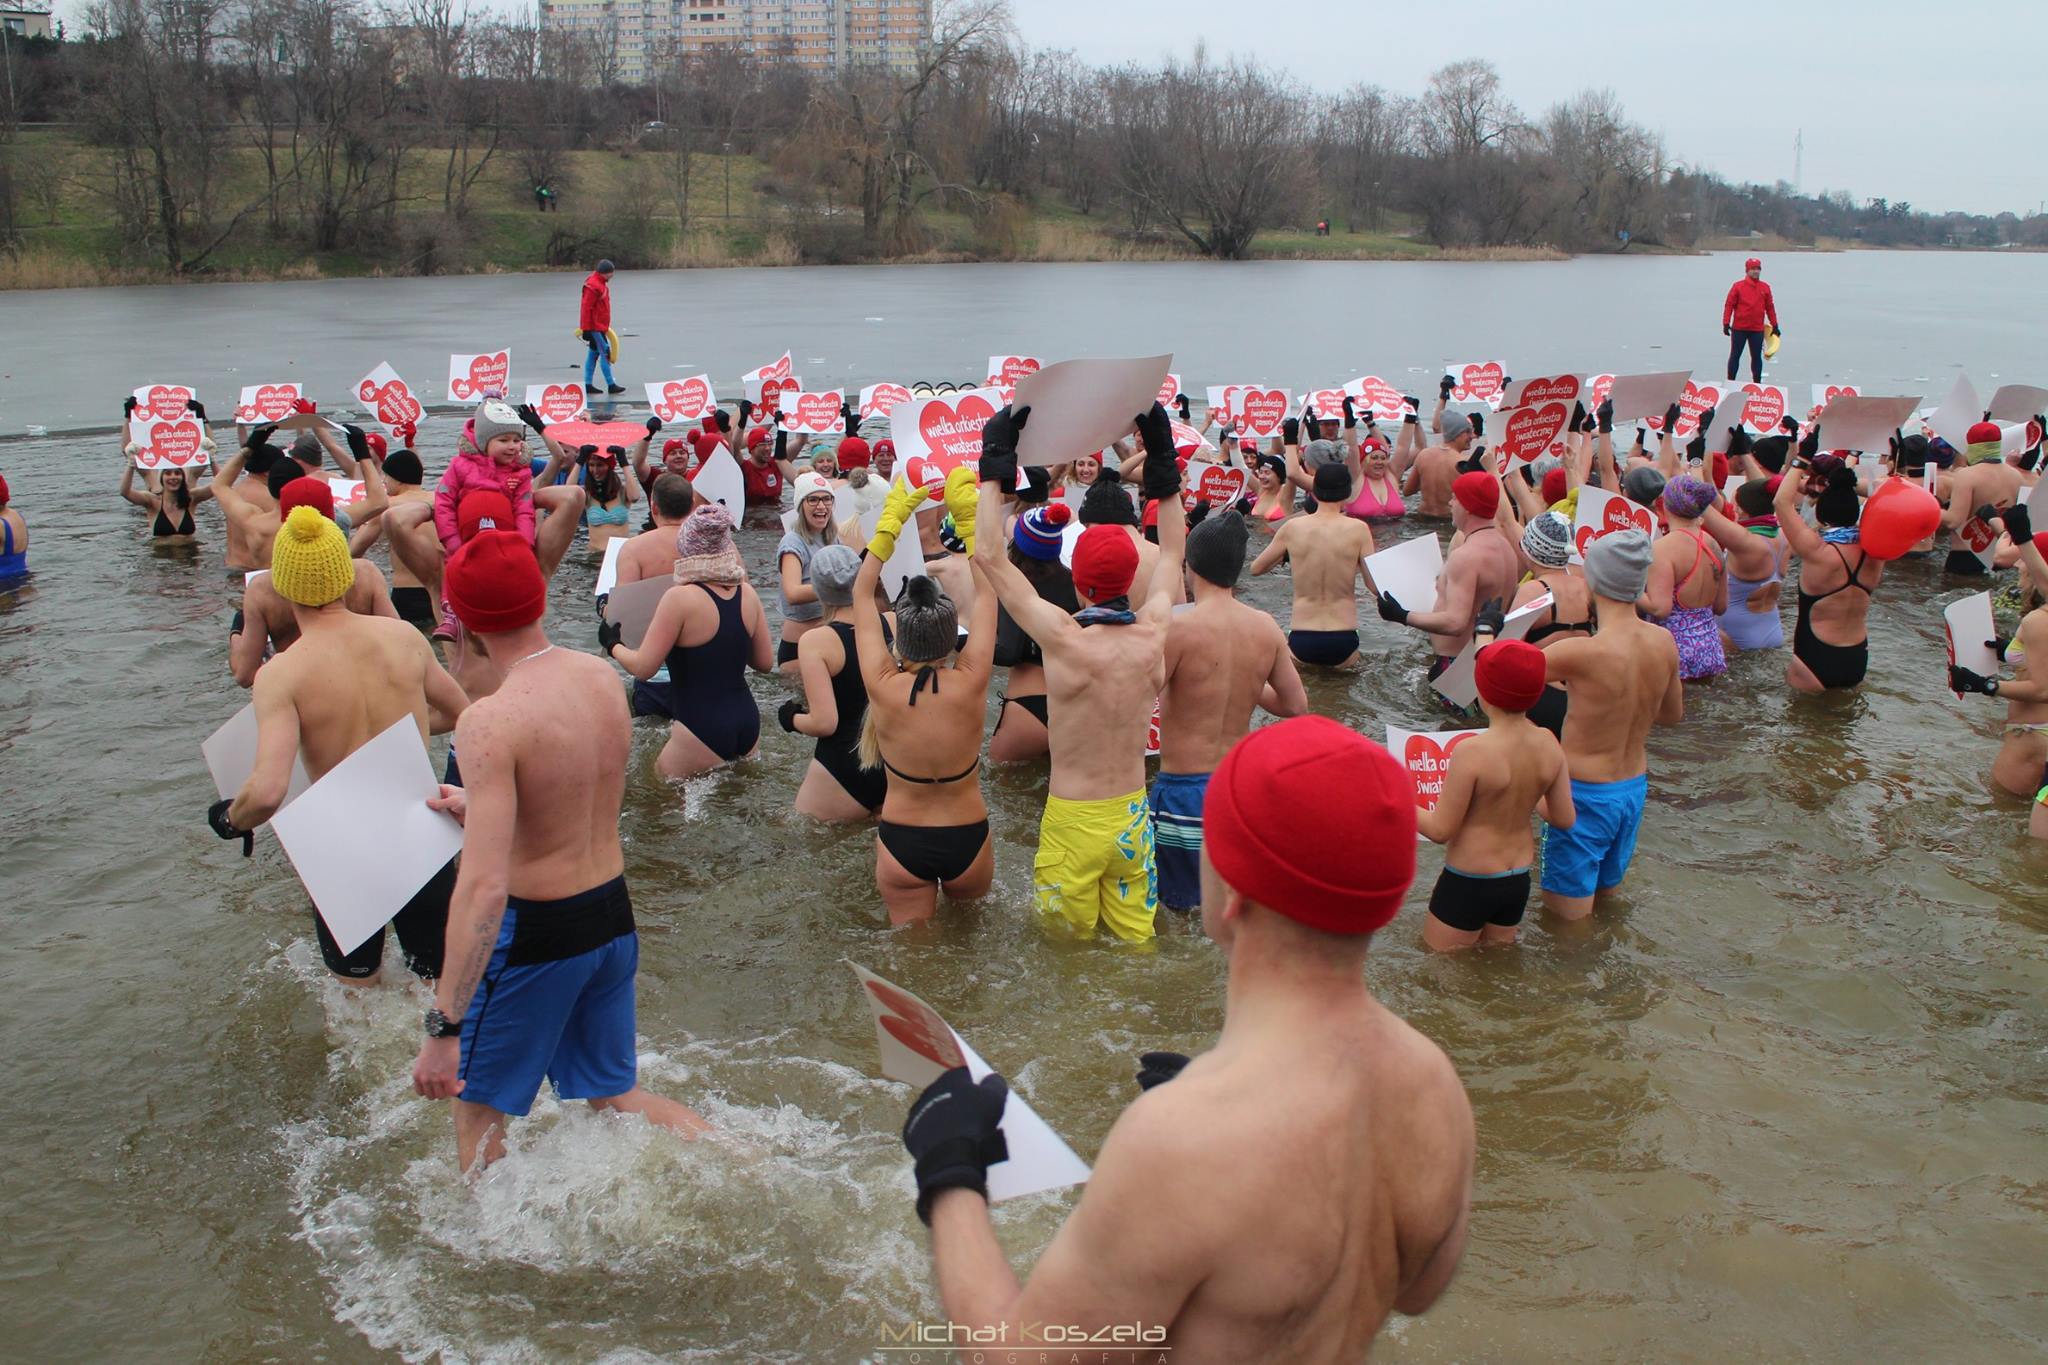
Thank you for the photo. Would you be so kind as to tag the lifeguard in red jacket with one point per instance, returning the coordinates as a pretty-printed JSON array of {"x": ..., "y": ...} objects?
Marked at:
[
  {"x": 1743, "y": 316},
  {"x": 594, "y": 320}
]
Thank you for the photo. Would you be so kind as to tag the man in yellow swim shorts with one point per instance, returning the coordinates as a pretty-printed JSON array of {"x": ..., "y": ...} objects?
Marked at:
[{"x": 1104, "y": 667}]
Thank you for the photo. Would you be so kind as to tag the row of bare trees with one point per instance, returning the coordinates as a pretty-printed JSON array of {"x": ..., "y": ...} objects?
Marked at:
[{"x": 383, "y": 127}]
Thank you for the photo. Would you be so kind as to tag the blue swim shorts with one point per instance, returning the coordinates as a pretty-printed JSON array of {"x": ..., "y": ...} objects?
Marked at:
[
  {"x": 556, "y": 1003},
  {"x": 1593, "y": 855},
  {"x": 1177, "y": 837}
]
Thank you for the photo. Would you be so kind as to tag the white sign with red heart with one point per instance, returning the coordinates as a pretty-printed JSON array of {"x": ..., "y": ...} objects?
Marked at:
[
  {"x": 390, "y": 399},
  {"x": 936, "y": 435},
  {"x": 1531, "y": 432},
  {"x": 161, "y": 402},
  {"x": 1260, "y": 412},
  {"x": 1693, "y": 401},
  {"x": 815, "y": 414},
  {"x": 1824, "y": 394},
  {"x": 1169, "y": 392},
  {"x": 1371, "y": 393},
  {"x": 1763, "y": 406},
  {"x": 167, "y": 443},
  {"x": 557, "y": 402},
  {"x": 1555, "y": 388},
  {"x": 1426, "y": 754},
  {"x": 877, "y": 399},
  {"x": 262, "y": 403},
  {"x": 1216, "y": 484},
  {"x": 1602, "y": 513},
  {"x": 473, "y": 378},
  {"x": 1005, "y": 370},
  {"x": 1477, "y": 381},
  {"x": 682, "y": 400}
]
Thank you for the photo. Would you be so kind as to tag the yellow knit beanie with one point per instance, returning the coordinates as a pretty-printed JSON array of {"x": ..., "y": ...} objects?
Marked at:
[{"x": 309, "y": 561}]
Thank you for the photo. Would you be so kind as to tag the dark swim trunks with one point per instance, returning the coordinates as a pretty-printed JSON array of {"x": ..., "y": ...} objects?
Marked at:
[{"x": 1327, "y": 648}]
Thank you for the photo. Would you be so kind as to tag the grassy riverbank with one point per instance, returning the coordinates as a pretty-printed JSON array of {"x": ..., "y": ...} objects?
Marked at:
[{"x": 618, "y": 203}]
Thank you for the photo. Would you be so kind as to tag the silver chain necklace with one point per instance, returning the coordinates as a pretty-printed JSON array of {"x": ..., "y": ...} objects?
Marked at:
[{"x": 524, "y": 657}]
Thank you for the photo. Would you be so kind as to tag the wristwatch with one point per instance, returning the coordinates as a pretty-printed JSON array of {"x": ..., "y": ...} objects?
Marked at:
[{"x": 440, "y": 1025}]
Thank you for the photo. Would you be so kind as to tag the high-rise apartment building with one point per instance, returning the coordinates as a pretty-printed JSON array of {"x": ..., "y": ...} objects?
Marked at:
[{"x": 641, "y": 36}]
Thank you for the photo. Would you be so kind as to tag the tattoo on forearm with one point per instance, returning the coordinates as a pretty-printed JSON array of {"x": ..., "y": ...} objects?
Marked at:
[{"x": 472, "y": 969}]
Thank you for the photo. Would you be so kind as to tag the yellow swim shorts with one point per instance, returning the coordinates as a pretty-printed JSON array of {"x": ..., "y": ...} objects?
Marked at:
[{"x": 1094, "y": 864}]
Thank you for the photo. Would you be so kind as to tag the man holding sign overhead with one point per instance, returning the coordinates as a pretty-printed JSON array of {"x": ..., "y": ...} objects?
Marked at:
[
  {"x": 347, "y": 680},
  {"x": 1276, "y": 1197}
]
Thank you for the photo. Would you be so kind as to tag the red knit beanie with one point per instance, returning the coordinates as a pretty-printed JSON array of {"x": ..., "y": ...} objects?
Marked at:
[
  {"x": 1344, "y": 872},
  {"x": 1555, "y": 486},
  {"x": 1478, "y": 493},
  {"x": 1510, "y": 674},
  {"x": 306, "y": 491},
  {"x": 493, "y": 583},
  {"x": 484, "y": 509},
  {"x": 1105, "y": 562},
  {"x": 853, "y": 453}
]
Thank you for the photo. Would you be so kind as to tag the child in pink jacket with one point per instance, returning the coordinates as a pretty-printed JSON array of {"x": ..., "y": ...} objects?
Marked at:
[{"x": 490, "y": 454}]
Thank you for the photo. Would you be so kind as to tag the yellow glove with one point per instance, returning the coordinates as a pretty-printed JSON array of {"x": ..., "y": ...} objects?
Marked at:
[
  {"x": 900, "y": 506},
  {"x": 963, "y": 501}
]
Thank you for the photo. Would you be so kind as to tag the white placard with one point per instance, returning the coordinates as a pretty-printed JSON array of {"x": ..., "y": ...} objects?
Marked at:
[
  {"x": 719, "y": 480},
  {"x": 262, "y": 403},
  {"x": 389, "y": 398},
  {"x": 1005, "y": 370},
  {"x": 631, "y": 607},
  {"x": 1370, "y": 393},
  {"x": 1957, "y": 414},
  {"x": 877, "y": 399},
  {"x": 1761, "y": 407},
  {"x": 1083, "y": 405},
  {"x": 1477, "y": 381},
  {"x": 230, "y": 754},
  {"x": 1259, "y": 412},
  {"x": 473, "y": 378},
  {"x": 1409, "y": 571},
  {"x": 1636, "y": 396},
  {"x": 1824, "y": 394},
  {"x": 2014, "y": 403},
  {"x": 1602, "y": 512},
  {"x": 1967, "y": 622},
  {"x": 322, "y": 834},
  {"x": 1864, "y": 424},
  {"x": 1554, "y": 388},
  {"x": 608, "y": 572},
  {"x": 937, "y": 434},
  {"x": 557, "y": 402},
  {"x": 1459, "y": 683},
  {"x": 918, "y": 1047},
  {"x": 1426, "y": 754},
  {"x": 690, "y": 399},
  {"x": 812, "y": 414},
  {"x": 170, "y": 443}
]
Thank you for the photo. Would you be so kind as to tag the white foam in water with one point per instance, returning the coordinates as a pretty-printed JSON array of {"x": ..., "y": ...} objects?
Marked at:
[{"x": 783, "y": 1236}]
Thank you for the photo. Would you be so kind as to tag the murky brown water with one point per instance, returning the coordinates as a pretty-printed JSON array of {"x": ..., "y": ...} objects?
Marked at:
[{"x": 1785, "y": 1099}]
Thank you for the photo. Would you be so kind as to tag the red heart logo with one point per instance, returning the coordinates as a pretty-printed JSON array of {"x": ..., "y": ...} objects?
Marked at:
[
  {"x": 913, "y": 1024},
  {"x": 560, "y": 402},
  {"x": 599, "y": 434},
  {"x": 173, "y": 443},
  {"x": 1477, "y": 383},
  {"x": 772, "y": 389},
  {"x": 884, "y": 397},
  {"x": 1012, "y": 369},
  {"x": 1222, "y": 485},
  {"x": 1529, "y": 433},
  {"x": 1328, "y": 403},
  {"x": 683, "y": 400},
  {"x": 1169, "y": 390},
  {"x": 818, "y": 411},
  {"x": 271, "y": 403},
  {"x": 1563, "y": 388},
  {"x": 166, "y": 402},
  {"x": 487, "y": 375},
  {"x": 1428, "y": 762},
  {"x": 1763, "y": 406},
  {"x": 1619, "y": 515},
  {"x": 1597, "y": 389},
  {"x": 953, "y": 435},
  {"x": 1262, "y": 411},
  {"x": 2032, "y": 435},
  {"x": 1384, "y": 399},
  {"x": 1834, "y": 391},
  {"x": 1693, "y": 402},
  {"x": 393, "y": 403},
  {"x": 1152, "y": 730},
  {"x": 781, "y": 369}
]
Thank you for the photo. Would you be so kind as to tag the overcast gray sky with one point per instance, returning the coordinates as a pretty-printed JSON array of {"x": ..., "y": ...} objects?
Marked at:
[{"x": 1938, "y": 102}]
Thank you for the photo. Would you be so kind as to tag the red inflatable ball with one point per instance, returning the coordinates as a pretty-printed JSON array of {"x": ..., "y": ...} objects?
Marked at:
[{"x": 1898, "y": 516}]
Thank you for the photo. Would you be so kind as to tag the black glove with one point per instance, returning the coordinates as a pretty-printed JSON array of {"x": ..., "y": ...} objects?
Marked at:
[
  {"x": 999, "y": 446},
  {"x": 1039, "y": 480},
  {"x": 128, "y": 406},
  {"x": 1961, "y": 679},
  {"x": 1739, "y": 443},
  {"x": 1491, "y": 617},
  {"x": 1809, "y": 444},
  {"x": 781, "y": 442},
  {"x": 1244, "y": 506},
  {"x": 531, "y": 416},
  {"x": 1984, "y": 512},
  {"x": 1181, "y": 401},
  {"x": 1443, "y": 390},
  {"x": 1478, "y": 420},
  {"x": 217, "y": 816},
  {"x": 1579, "y": 420},
  {"x": 850, "y": 417},
  {"x": 1998, "y": 644},
  {"x": 609, "y": 634},
  {"x": 2019, "y": 522},
  {"x": 1604, "y": 415},
  {"x": 1788, "y": 425},
  {"x": 357, "y": 445},
  {"x": 1475, "y": 463},
  {"x": 1707, "y": 420},
  {"x": 603, "y": 600},
  {"x": 617, "y": 453},
  {"x": 1350, "y": 413},
  {"x": 723, "y": 419},
  {"x": 1157, "y": 1068},
  {"x": 1671, "y": 416},
  {"x": 1309, "y": 421},
  {"x": 1390, "y": 610},
  {"x": 1290, "y": 432},
  {"x": 786, "y": 714},
  {"x": 583, "y": 454},
  {"x": 1778, "y": 332},
  {"x": 1726, "y": 330},
  {"x": 746, "y": 410},
  {"x": 654, "y": 425},
  {"x": 261, "y": 435},
  {"x": 196, "y": 408},
  {"x": 1161, "y": 478},
  {"x": 952, "y": 1135}
]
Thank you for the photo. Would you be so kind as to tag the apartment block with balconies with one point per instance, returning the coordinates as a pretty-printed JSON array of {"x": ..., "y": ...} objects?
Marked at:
[{"x": 641, "y": 36}]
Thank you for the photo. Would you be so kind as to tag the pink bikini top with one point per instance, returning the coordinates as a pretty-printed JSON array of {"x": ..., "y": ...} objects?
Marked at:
[{"x": 1368, "y": 504}]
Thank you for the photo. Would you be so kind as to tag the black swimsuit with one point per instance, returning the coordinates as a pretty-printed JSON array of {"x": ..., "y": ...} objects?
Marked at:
[
  {"x": 162, "y": 526},
  {"x": 838, "y": 752},
  {"x": 932, "y": 853},
  {"x": 1833, "y": 666},
  {"x": 708, "y": 683}
]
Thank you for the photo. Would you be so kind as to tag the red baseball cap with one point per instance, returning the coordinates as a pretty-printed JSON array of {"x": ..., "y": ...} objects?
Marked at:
[{"x": 1346, "y": 871}]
